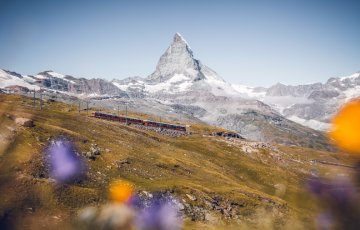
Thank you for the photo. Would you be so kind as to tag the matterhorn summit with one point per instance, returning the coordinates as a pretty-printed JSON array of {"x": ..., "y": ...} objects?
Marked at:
[{"x": 178, "y": 64}]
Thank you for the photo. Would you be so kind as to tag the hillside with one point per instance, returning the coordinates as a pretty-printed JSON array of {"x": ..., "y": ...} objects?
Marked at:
[{"x": 233, "y": 182}]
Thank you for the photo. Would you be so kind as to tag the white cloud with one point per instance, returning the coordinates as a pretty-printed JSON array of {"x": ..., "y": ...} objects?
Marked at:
[{"x": 286, "y": 100}]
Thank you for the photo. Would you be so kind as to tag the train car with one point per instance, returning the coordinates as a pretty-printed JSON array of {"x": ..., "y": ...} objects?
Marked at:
[
  {"x": 170, "y": 126},
  {"x": 106, "y": 116},
  {"x": 162, "y": 125},
  {"x": 151, "y": 123},
  {"x": 138, "y": 121},
  {"x": 180, "y": 128},
  {"x": 131, "y": 120}
]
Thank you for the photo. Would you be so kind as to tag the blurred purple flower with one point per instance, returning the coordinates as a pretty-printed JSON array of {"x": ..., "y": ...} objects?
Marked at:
[
  {"x": 325, "y": 221},
  {"x": 341, "y": 192},
  {"x": 63, "y": 162},
  {"x": 316, "y": 187},
  {"x": 159, "y": 217},
  {"x": 134, "y": 202}
]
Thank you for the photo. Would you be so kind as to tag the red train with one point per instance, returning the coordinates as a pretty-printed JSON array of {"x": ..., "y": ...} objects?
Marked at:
[{"x": 138, "y": 121}]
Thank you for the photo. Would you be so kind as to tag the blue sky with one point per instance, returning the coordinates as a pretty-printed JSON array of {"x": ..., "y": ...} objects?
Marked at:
[{"x": 256, "y": 43}]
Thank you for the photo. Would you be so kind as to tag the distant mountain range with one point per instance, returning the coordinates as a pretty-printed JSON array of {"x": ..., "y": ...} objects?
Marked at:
[{"x": 184, "y": 83}]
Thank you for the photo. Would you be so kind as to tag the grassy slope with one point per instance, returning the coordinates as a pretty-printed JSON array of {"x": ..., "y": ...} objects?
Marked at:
[{"x": 191, "y": 164}]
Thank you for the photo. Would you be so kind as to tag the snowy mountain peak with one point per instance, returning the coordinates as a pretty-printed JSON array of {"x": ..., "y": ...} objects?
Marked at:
[
  {"x": 178, "y": 62},
  {"x": 179, "y": 38}
]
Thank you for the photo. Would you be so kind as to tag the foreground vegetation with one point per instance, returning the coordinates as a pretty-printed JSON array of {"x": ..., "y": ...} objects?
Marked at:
[{"x": 253, "y": 187}]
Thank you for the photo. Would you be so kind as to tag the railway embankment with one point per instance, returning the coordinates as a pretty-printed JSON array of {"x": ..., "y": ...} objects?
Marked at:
[{"x": 165, "y": 132}]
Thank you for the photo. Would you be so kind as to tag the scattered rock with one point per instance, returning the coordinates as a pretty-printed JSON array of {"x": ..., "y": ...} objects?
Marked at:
[
  {"x": 148, "y": 194},
  {"x": 87, "y": 154},
  {"x": 124, "y": 161},
  {"x": 107, "y": 150},
  {"x": 179, "y": 206},
  {"x": 94, "y": 151},
  {"x": 248, "y": 149},
  {"x": 11, "y": 129},
  {"x": 191, "y": 197},
  {"x": 24, "y": 122}
]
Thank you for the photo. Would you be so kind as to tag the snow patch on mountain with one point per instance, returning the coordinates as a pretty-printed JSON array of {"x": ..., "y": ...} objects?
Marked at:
[
  {"x": 7, "y": 79},
  {"x": 29, "y": 79},
  {"x": 248, "y": 91},
  {"x": 179, "y": 77},
  {"x": 355, "y": 75},
  {"x": 352, "y": 92},
  {"x": 53, "y": 74},
  {"x": 122, "y": 87}
]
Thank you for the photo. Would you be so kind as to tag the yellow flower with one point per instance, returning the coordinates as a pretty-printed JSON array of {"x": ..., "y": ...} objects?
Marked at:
[{"x": 346, "y": 128}]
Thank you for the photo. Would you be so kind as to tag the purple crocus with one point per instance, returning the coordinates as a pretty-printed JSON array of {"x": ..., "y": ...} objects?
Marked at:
[
  {"x": 341, "y": 192},
  {"x": 325, "y": 221},
  {"x": 63, "y": 162},
  {"x": 159, "y": 217},
  {"x": 316, "y": 187}
]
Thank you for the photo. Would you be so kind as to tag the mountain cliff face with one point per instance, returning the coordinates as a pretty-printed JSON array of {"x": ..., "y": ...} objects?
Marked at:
[{"x": 293, "y": 91}]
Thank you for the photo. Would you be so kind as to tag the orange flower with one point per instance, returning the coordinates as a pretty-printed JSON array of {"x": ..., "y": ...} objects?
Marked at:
[
  {"x": 120, "y": 191},
  {"x": 346, "y": 128}
]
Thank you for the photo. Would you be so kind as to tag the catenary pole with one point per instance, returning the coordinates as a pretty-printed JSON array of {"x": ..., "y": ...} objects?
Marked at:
[
  {"x": 189, "y": 126},
  {"x": 40, "y": 99}
]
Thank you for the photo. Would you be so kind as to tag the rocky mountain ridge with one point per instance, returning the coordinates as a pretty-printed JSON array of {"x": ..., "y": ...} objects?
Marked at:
[{"x": 183, "y": 86}]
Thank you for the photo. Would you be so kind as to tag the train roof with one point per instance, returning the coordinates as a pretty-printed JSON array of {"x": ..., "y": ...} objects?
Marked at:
[
  {"x": 165, "y": 123},
  {"x": 139, "y": 119}
]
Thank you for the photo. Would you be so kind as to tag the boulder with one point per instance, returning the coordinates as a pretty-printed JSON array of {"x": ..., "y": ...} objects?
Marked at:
[
  {"x": 87, "y": 154},
  {"x": 94, "y": 151},
  {"x": 24, "y": 122},
  {"x": 191, "y": 197},
  {"x": 148, "y": 194}
]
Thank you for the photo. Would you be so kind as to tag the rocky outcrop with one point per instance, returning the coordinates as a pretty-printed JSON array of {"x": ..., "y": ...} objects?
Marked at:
[
  {"x": 293, "y": 91},
  {"x": 67, "y": 83},
  {"x": 210, "y": 208},
  {"x": 227, "y": 134},
  {"x": 128, "y": 80},
  {"x": 323, "y": 94},
  {"x": 165, "y": 132},
  {"x": 23, "y": 122}
]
